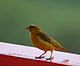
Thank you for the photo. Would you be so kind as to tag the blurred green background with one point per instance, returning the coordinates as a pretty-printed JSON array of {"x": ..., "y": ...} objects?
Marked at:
[{"x": 58, "y": 18}]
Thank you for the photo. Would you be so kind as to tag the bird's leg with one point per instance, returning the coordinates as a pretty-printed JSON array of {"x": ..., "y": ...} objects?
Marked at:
[
  {"x": 41, "y": 56},
  {"x": 50, "y": 57}
]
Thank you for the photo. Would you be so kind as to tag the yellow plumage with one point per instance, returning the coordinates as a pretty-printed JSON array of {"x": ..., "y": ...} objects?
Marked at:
[{"x": 43, "y": 41}]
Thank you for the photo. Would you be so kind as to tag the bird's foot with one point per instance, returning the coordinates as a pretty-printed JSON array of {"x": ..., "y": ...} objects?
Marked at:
[
  {"x": 49, "y": 58},
  {"x": 40, "y": 57}
]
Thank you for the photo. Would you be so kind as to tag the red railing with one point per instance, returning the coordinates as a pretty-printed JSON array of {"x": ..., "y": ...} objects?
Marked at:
[{"x": 17, "y": 55}]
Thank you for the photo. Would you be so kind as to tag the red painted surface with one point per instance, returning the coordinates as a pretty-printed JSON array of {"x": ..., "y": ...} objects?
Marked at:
[{"x": 6, "y": 60}]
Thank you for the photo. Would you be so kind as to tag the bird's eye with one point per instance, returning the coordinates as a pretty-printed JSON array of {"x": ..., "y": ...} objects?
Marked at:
[{"x": 31, "y": 27}]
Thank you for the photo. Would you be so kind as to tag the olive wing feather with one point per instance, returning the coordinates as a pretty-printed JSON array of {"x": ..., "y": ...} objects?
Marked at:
[{"x": 48, "y": 39}]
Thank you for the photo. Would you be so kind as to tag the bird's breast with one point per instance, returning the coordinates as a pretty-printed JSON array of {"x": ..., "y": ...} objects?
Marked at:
[{"x": 37, "y": 42}]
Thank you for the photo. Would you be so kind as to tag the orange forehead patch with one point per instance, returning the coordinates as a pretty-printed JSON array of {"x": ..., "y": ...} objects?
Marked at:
[{"x": 32, "y": 25}]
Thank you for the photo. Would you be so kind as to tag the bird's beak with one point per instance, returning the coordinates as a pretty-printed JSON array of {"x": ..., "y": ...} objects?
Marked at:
[{"x": 27, "y": 28}]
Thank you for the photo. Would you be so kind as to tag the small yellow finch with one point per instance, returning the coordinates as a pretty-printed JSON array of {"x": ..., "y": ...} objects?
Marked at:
[{"x": 42, "y": 41}]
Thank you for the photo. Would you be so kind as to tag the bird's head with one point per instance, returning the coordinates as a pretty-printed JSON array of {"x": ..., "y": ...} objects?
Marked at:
[{"x": 32, "y": 28}]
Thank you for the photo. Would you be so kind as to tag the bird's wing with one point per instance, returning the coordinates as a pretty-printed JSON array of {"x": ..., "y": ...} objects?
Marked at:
[{"x": 48, "y": 39}]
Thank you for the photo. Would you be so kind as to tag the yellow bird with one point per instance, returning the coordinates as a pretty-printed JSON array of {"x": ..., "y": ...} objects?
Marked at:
[{"x": 42, "y": 41}]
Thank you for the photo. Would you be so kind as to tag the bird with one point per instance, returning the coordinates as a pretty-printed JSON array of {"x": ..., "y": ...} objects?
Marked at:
[{"x": 43, "y": 41}]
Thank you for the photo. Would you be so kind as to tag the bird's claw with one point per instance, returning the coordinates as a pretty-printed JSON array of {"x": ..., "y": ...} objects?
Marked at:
[
  {"x": 39, "y": 57},
  {"x": 49, "y": 58}
]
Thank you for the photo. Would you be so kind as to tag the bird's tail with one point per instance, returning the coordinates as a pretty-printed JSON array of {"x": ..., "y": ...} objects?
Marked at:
[{"x": 65, "y": 49}]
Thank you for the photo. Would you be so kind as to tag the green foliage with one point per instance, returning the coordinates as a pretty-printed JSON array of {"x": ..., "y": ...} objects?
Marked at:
[{"x": 59, "y": 16}]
